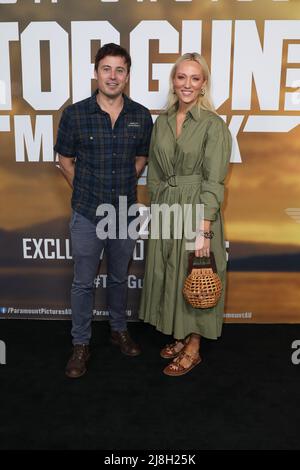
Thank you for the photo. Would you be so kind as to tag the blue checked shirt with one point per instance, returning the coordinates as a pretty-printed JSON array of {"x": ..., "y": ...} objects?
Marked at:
[{"x": 105, "y": 156}]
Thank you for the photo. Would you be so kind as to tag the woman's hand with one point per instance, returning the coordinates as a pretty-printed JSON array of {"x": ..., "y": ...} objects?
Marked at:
[
  {"x": 202, "y": 244},
  {"x": 202, "y": 247}
]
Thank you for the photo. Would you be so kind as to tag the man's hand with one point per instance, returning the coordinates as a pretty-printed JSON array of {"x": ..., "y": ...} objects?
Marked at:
[
  {"x": 140, "y": 163},
  {"x": 67, "y": 167}
]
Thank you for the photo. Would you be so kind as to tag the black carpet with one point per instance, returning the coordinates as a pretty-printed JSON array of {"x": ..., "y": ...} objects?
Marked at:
[{"x": 245, "y": 394}]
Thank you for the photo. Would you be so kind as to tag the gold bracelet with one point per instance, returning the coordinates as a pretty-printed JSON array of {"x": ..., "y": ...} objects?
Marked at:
[{"x": 209, "y": 234}]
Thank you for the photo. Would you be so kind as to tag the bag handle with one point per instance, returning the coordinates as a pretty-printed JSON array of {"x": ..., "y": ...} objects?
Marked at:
[{"x": 202, "y": 262}]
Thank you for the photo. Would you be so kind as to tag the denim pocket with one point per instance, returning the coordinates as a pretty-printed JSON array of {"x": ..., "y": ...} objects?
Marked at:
[{"x": 73, "y": 219}]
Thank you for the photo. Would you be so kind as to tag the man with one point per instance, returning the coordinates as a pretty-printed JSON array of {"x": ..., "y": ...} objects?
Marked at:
[{"x": 103, "y": 143}]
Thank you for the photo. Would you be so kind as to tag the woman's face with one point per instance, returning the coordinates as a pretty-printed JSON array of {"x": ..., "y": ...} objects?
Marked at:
[{"x": 188, "y": 81}]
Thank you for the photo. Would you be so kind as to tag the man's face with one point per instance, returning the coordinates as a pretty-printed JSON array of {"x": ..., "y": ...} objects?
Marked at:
[{"x": 112, "y": 76}]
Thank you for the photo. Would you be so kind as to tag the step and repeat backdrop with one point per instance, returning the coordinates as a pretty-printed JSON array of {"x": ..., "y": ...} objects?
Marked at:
[{"x": 47, "y": 50}]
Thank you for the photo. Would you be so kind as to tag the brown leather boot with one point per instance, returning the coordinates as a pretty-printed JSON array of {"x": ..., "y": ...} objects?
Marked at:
[
  {"x": 125, "y": 343},
  {"x": 76, "y": 366}
]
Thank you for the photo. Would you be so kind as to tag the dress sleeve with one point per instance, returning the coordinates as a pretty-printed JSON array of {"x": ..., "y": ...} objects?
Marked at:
[
  {"x": 154, "y": 175},
  {"x": 215, "y": 167}
]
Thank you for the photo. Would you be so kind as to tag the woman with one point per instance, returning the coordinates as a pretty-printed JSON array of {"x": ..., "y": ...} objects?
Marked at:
[{"x": 188, "y": 162}]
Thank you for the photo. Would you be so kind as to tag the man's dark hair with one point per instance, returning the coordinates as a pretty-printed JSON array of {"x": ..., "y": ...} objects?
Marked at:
[{"x": 113, "y": 50}]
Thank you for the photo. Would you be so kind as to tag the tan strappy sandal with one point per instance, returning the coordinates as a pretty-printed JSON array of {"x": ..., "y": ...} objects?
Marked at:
[
  {"x": 175, "y": 369},
  {"x": 169, "y": 351}
]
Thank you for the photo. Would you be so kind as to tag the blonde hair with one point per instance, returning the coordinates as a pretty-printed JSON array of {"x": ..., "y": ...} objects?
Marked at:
[{"x": 203, "y": 102}]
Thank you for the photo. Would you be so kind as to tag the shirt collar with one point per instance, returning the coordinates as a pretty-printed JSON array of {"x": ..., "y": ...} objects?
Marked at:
[
  {"x": 193, "y": 112},
  {"x": 95, "y": 108}
]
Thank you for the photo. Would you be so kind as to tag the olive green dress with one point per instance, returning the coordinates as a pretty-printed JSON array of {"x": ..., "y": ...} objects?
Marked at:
[{"x": 199, "y": 159}]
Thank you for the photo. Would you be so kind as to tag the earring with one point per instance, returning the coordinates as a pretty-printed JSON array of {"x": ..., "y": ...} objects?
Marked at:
[{"x": 202, "y": 92}]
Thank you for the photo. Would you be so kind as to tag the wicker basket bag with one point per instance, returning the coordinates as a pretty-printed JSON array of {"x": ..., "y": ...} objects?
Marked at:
[{"x": 202, "y": 287}]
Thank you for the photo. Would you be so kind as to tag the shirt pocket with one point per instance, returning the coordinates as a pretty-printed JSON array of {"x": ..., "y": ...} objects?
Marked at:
[
  {"x": 132, "y": 139},
  {"x": 92, "y": 149}
]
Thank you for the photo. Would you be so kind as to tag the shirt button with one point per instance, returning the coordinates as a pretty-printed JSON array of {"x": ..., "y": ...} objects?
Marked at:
[
  {"x": 112, "y": 190},
  {"x": 114, "y": 136},
  {"x": 91, "y": 137},
  {"x": 114, "y": 154},
  {"x": 113, "y": 172}
]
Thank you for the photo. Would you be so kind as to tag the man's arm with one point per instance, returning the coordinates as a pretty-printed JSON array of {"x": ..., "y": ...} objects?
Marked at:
[
  {"x": 67, "y": 167},
  {"x": 142, "y": 149},
  {"x": 140, "y": 163}
]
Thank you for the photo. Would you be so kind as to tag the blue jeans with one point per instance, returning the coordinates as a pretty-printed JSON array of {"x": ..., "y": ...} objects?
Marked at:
[{"x": 86, "y": 250}]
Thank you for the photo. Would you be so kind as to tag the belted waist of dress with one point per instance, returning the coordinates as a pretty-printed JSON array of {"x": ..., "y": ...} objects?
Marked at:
[{"x": 175, "y": 180}]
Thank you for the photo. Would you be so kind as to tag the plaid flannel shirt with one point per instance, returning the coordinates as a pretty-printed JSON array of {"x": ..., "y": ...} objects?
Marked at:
[{"x": 105, "y": 156}]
